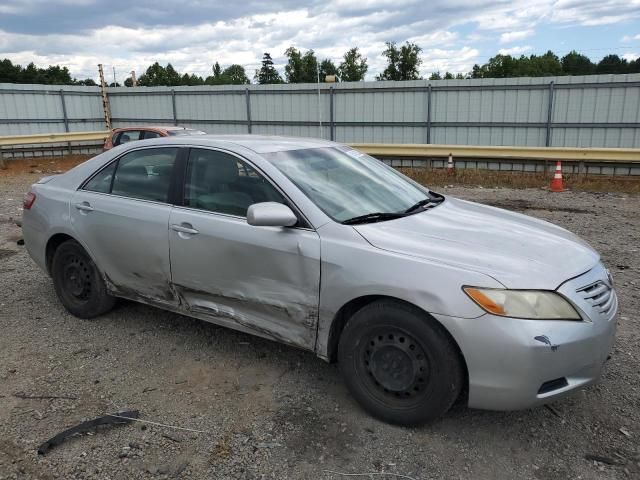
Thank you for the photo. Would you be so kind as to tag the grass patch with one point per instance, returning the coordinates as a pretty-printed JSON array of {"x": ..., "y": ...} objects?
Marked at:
[{"x": 492, "y": 178}]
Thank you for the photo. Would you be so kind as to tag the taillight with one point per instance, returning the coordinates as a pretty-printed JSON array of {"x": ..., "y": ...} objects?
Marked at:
[{"x": 28, "y": 201}]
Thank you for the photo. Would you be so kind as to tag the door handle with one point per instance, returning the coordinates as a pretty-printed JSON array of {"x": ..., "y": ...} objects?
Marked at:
[
  {"x": 84, "y": 206},
  {"x": 184, "y": 228}
]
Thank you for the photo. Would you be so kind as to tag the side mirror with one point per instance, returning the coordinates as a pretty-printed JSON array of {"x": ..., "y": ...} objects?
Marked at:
[{"x": 271, "y": 214}]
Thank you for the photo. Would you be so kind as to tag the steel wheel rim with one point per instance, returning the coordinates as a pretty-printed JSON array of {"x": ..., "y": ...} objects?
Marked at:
[
  {"x": 396, "y": 365},
  {"x": 77, "y": 278}
]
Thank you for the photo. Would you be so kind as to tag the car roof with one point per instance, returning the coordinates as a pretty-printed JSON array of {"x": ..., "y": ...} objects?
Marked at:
[
  {"x": 257, "y": 143},
  {"x": 151, "y": 127}
]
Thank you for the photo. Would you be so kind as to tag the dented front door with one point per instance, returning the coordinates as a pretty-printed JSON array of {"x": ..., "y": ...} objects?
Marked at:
[{"x": 260, "y": 279}]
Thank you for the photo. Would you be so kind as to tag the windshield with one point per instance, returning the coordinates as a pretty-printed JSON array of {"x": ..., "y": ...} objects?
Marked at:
[{"x": 347, "y": 184}]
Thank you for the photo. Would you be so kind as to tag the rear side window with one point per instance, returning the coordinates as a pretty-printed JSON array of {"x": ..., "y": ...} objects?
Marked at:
[
  {"x": 149, "y": 134},
  {"x": 101, "y": 182},
  {"x": 128, "y": 136},
  {"x": 143, "y": 174}
]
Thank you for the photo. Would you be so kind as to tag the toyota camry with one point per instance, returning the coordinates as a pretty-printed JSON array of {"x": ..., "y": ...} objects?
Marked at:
[{"x": 422, "y": 299}]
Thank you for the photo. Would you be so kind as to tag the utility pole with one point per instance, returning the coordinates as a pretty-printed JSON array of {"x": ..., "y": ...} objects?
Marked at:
[
  {"x": 115, "y": 82},
  {"x": 319, "y": 101},
  {"x": 134, "y": 82},
  {"x": 106, "y": 109}
]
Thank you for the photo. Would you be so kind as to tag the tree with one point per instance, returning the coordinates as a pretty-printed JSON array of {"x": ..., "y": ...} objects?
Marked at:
[
  {"x": 235, "y": 75},
  {"x": 392, "y": 71},
  {"x": 354, "y": 66},
  {"x": 173, "y": 77},
  {"x": 402, "y": 63},
  {"x": 301, "y": 68},
  {"x": 448, "y": 76},
  {"x": 476, "y": 71},
  {"x": 435, "y": 76},
  {"x": 612, "y": 64},
  {"x": 500, "y": 66},
  {"x": 539, "y": 65},
  {"x": 216, "y": 78},
  {"x": 154, "y": 76},
  {"x": 634, "y": 66},
  {"x": 190, "y": 80},
  {"x": 9, "y": 73},
  {"x": 327, "y": 67},
  {"x": 574, "y": 63},
  {"x": 267, "y": 74},
  {"x": 87, "y": 82},
  {"x": 506, "y": 66}
]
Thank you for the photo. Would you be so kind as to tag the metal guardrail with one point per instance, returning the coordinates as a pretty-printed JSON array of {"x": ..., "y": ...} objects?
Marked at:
[
  {"x": 596, "y": 155},
  {"x": 623, "y": 155},
  {"x": 12, "y": 140}
]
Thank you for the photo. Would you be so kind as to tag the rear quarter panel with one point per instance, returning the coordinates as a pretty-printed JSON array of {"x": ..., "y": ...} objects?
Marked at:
[{"x": 48, "y": 216}]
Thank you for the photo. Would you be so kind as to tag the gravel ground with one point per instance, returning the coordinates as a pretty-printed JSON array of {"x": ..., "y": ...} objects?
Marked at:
[{"x": 269, "y": 411}]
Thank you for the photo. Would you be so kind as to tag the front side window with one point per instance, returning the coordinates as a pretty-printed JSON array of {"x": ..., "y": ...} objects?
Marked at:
[
  {"x": 143, "y": 174},
  {"x": 219, "y": 182},
  {"x": 345, "y": 183}
]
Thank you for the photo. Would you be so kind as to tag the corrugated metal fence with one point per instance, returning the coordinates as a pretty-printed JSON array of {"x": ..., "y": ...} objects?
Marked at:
[{"x": 587, "y": 111}]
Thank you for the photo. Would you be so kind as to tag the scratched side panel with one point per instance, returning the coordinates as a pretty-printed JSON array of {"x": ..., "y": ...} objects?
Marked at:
[
  {"x": 127, "y": 239},
  {"x": 266, "y": 279}
]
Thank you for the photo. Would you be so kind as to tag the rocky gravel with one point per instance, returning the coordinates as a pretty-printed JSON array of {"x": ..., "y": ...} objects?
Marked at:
[{"x": 249, "y": 408}]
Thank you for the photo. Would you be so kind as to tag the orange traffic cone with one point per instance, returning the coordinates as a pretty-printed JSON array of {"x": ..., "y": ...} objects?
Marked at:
[
  {"x": 450, "y": 167},
  {"x": 556, "y": 183}
]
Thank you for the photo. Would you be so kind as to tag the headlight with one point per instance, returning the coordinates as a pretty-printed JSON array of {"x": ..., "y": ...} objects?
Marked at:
[{"x": 528, "y": 304}]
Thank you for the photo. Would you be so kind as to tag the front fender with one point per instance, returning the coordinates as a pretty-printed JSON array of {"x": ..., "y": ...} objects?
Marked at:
[{"x": 352, "y": 268}]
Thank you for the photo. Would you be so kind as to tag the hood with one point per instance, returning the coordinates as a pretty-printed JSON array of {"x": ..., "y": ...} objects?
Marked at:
[{"x": 519, "y": 251}]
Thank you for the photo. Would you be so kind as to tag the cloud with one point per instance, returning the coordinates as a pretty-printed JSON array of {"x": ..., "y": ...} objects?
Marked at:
[
  {"x": 595, "y": 12},
  {"x": 445, "y": 60},
  {"x": 630, "y": 38},
  {"x": 509, "y": 37},
  {"x": 192, "y": 35},
  {"x": 630, "y": 57},
  {"x": 515, "y": 50}
]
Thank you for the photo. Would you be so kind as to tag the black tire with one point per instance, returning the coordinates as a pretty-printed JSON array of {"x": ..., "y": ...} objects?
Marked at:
[
  {"x": 78, "y": 283},
  {"x": 399, "y": 363}
]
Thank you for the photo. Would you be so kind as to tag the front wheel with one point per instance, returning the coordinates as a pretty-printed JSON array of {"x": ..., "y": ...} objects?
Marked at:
[
  {"x": 399, "y": 364},
  {"x": 78, "y": 283}
]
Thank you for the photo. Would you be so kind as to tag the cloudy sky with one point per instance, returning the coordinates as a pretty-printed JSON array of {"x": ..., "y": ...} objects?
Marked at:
[{"x": 193, "y": 34}]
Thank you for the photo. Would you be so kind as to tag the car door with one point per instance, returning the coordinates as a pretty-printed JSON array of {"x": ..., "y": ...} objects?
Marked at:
[
  {"x": 264, "y": 280},
  {"x": 121, "y": 215}
]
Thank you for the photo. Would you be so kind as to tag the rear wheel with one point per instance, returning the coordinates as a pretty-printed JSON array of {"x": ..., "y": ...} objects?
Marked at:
[
  {"x": 399, "y": 364},
  {"x": 78, "y": 283}
]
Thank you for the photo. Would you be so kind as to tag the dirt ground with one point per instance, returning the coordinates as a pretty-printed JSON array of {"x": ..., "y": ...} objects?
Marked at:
[{"x": 260, "y": 410}]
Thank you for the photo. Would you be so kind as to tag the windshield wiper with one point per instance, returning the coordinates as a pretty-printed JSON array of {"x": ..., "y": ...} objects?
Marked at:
[
  {"x": 372, "y": 218},
  {"x": 433, "y": 199}
]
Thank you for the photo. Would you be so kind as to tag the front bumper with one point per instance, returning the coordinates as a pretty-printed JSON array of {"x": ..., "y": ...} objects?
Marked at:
[{"x": 515, "y": 363}]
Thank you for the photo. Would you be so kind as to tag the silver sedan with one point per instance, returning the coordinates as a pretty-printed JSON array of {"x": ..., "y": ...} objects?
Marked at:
[{"x": 422, "y": 299}]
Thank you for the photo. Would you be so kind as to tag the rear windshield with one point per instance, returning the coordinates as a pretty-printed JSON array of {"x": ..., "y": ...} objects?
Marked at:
[{"x": 186, "y": 131}]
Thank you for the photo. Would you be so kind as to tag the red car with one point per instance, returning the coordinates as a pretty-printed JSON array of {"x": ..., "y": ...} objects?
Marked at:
[{"x": 129, "y": 134}]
